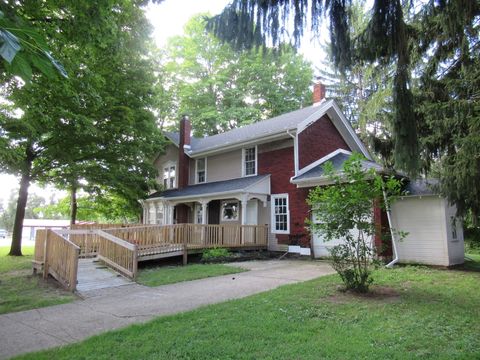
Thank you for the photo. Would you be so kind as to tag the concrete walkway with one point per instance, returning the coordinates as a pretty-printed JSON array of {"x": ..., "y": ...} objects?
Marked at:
[{"x": 107, "y": 309}]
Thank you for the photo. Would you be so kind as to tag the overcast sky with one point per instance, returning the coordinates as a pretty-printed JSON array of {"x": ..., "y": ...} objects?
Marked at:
[{"x": 168, "y": 19}]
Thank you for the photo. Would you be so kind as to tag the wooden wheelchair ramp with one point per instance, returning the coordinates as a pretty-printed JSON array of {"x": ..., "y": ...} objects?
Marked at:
[{"x": 93, "y": 275}]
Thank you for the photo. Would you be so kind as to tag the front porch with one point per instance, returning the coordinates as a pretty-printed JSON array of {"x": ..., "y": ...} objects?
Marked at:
[{"x": 242, "y": 201}]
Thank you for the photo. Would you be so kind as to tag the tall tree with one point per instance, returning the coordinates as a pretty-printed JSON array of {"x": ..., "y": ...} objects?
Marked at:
[
  {"x": 387, "y": 38},
  {"x": 222, "y": 89},
  {"x": 96, "y": 129}
]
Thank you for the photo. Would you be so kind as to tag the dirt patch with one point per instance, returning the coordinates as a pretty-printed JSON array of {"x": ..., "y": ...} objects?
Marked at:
[{"x": 377, "y": 293}]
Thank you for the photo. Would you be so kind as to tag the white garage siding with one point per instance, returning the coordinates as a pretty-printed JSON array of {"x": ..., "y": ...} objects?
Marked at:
[{"x": 430, "y": 235}]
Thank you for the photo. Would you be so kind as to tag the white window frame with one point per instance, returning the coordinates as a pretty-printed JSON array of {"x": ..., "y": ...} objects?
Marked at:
[
  {"x": 272, "y": 210},
  {"x": 244, "y": 168},
  {"x": 196, "y": 171},
  {"x": 169, "y": 165},
  {"x": 228, "y": 202}
]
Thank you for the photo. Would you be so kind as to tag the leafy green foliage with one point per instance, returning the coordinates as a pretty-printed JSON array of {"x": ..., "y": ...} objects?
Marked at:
[
  {"x": 23, "y": 48},
  {"x": 215, "y": 254},
  {"x": 344, "y": 211},
  {"x": 104, "y": 208},
  {"x": 95, "y": 131},
  {"x": 221, "y": 89}
]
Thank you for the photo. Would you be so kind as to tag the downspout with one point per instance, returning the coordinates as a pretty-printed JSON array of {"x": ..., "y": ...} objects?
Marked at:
[
  {"x": 389, "y": 217},
  {"x": 295, "y": 151}
]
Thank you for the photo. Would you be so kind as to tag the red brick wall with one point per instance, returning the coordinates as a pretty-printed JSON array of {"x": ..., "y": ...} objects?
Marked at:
[
  {"x": 382, "y": 238},
  {"x": 318, "y": 140},
  {"x": 280, "y": 164}
]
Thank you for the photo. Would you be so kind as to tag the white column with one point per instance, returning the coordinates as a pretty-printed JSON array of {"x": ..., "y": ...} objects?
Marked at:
[
  {"x": 145, "y": 212},
  {"x": 244, "y": 209},
  {"x": 151, "y": 219},
  {"x": 204, "y": 211}
]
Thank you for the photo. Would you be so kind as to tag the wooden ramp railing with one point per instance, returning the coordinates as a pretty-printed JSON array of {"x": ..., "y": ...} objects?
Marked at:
[
  {"x": 60, "y": 259},
  {"x": 122, "y": 248}
]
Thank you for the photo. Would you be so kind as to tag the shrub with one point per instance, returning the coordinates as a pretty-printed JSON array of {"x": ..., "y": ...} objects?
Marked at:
[
  {"x": 215, "y": 254},
  {"x": 345, "y": 212}
]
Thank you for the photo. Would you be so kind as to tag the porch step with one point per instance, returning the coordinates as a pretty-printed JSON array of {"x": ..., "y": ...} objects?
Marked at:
[{"x": 93, "y": 275}]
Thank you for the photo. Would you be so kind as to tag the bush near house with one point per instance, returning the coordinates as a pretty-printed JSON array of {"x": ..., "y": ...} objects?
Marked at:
[
  {"x": 345, "y": 212},
  {"x": 215, "y": 255}
]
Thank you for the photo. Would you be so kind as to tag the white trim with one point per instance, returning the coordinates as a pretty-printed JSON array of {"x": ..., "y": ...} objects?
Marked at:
[
  {"x": 272, "y": 211},
  {"x": 322, "y": 160},
  {"x": 243, "y": 161},
  {"x": 196, "y": 171}
]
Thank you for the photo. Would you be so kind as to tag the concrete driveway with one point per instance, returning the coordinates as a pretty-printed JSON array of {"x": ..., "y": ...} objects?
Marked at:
[{"x": 113, "y": 308}]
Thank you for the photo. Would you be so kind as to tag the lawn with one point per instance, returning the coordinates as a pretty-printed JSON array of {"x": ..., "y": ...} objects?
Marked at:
[
  {"x": 172, "y": 274},
  {"x": 20, "y": 290},
  {"x": 414, "y": 312}
]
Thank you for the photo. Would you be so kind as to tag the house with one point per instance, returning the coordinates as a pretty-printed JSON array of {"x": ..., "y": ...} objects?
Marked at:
[{"x": 257, "y": 174}]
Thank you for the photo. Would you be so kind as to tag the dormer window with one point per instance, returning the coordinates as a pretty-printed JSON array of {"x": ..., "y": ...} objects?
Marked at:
[
  {"x": 169, "y": 175},
  {"x": 249, "y": 161},
  {"x": 201, "y": 170}
]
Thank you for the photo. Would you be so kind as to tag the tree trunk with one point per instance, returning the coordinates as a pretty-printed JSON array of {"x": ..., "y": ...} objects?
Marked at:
[
  {"x": 16, "y": 247},
  {"x": 73, "y": 204}
]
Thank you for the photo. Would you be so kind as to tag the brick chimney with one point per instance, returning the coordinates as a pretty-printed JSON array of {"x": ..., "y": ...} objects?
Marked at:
[
  {"x": 184, "y": 145},
  {"x": 318, "y": 92}
]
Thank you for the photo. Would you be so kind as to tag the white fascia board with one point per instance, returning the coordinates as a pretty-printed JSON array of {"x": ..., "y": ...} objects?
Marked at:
[
  {"x": 322, "y": 160},
  {"x": 335, "y": 110},
  {"x": 312, "y": 182}
]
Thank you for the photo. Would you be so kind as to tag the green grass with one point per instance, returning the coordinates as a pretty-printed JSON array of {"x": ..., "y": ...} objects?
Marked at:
[
  {"x": 472, "y": 262},
  {"x": 20, "y": 290},
  {"x": 417, "y": 313},
  {"x": 172, "y": 274}
]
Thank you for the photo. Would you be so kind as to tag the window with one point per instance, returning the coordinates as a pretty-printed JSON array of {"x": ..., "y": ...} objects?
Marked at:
[
  {"x": 280, "y": 214},
  {"x": 230, "y": 210},
  {"x": 250, "y": 161},
  {"x": 169, "y": 176},
  {"x": 201, "y": 165},
  {"x": 453, "y": 222}
]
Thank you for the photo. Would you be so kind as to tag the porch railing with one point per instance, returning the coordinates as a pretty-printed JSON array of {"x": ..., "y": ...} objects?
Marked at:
[{"x": 195, "y": 235}]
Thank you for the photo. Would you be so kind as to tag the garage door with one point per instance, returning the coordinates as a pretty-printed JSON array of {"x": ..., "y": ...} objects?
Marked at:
[{"x": 321, "y": 247}]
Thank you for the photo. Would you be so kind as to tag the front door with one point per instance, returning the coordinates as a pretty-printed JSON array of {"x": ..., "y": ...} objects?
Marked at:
[{"x": 214, "y": 212}]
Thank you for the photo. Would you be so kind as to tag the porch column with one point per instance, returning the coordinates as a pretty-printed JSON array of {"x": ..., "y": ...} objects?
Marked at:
[
  {"x": 159, "y": 210},
  {"x": 151, "y": 217},
  {"x": 169, "y": 214},
  {"x": 204, "y": 204},
  {"x": 145, "y": 212},
  {"x": 244, "y": 209}
]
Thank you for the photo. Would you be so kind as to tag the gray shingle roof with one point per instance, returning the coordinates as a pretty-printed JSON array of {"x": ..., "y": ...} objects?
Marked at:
[
  {"x": 253, "y": 131},
  {"x": 210, "y": 188},
  {"x": 337, "y": 161},
  {"x": 421, "y": 187}
]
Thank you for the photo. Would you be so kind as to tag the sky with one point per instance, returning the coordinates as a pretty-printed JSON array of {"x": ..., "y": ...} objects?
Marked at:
[{"x": 168, "y": 19}]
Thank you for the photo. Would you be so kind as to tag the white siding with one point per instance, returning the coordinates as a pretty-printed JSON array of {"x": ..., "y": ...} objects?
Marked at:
[
  {"x": 456, "y": 247},
  {"x": 424, "y": 218}
]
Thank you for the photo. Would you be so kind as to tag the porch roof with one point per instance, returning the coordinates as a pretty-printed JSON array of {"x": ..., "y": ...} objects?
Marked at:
[{"x": 239, "y": 185}]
